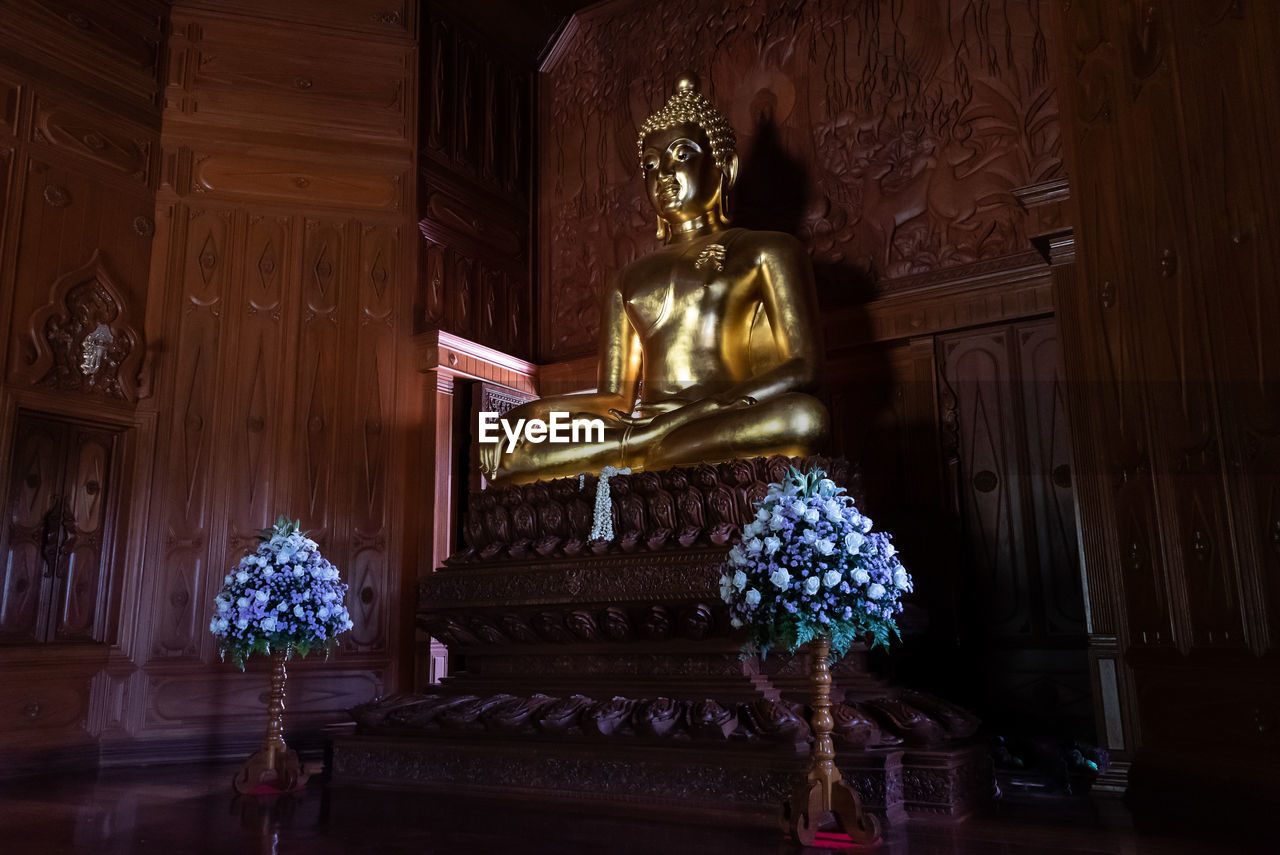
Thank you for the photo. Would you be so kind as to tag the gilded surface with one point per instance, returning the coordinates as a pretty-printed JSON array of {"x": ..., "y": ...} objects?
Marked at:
[{"x": 709, "y": 345}]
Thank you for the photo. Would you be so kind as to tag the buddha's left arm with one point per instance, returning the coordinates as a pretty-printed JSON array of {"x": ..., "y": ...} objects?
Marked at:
[{"x": 790, "y": 304}]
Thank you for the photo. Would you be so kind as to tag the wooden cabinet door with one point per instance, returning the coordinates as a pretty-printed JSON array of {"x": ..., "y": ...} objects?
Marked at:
[
  {"x": 81, "y": 575},
  {"x": 32, "y": 522},
  {"x": 55, "y": 541}
]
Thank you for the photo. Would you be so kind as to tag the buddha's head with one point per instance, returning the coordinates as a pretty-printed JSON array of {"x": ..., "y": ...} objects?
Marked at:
[{"x": 688, "y": 159}]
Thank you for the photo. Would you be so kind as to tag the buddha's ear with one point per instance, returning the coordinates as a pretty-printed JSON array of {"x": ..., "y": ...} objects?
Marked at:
[{"x": 730, "y": 170}]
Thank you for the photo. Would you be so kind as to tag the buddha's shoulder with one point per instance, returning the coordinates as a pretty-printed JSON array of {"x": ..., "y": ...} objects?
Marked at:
[{"x": 758, "y": 245}]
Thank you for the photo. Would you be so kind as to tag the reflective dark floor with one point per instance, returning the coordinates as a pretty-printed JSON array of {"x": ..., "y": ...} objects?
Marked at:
[{"x": 174, "y": 809}]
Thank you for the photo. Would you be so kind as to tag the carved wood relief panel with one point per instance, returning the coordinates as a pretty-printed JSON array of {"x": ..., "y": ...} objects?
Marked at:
[
  {"x": 888, "y": 139},
  {"x": 78, "y": 256}
]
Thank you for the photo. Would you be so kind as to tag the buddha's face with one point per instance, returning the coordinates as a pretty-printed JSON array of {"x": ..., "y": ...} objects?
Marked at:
[{"x": 680, "y": 173}]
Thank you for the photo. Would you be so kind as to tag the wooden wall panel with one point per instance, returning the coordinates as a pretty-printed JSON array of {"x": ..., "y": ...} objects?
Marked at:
[
  {"x": 79, "y": 134},
  {"x": 274, "y": 317},
  {"x": 109, "y": 50},
  {"x": 474, "y": 202},
  {"x": 1170, "y": 130},
  {"x": 236, "y": 71},
  {"x": 370, "y": 434},
  {"x": 188, "y": 434}
]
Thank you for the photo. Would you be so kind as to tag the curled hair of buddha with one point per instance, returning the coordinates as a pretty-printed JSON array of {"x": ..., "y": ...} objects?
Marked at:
[{"x": 690, "y": 105}]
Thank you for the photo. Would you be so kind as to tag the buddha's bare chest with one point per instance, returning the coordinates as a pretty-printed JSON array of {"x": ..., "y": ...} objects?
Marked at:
[{"x": 678, "y": 299}]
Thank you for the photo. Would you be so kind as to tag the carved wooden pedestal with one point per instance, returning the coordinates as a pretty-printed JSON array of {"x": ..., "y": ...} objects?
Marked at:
[
  {"x": 824, "y": 796},
  {"x": 274, "y": 767},
  {"x": 609, "y": 672}
]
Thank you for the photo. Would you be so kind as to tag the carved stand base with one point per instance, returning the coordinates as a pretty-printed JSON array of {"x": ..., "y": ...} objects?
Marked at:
[{"x": 270, "y": 770}]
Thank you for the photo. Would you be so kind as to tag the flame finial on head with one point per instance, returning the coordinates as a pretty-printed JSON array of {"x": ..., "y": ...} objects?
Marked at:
[{"x": 690, "y": 105}]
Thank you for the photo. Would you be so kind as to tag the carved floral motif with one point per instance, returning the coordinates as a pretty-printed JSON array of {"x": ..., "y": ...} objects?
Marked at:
[
  {"x": 888, "y": 140},
  {"x": 79, "y": 303}
]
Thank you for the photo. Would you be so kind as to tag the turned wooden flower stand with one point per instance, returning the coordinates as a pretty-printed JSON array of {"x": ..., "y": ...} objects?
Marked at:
[
  {"x": 824, "y": 799},
  {"x": 273, "y": 768}
]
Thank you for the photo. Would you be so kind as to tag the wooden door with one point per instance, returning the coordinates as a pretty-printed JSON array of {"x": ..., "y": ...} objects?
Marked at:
[{"x": 55, "y": 542}]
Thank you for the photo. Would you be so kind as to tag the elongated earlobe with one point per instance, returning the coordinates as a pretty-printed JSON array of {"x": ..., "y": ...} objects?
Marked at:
[{"x": 664, "y": 230}]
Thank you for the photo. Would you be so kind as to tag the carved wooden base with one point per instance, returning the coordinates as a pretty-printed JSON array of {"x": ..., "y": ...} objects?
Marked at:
[
  {"x": 271, "y": 770},
  {"x": 610, "y": 671},
  {"x": 817, "y": 806}
]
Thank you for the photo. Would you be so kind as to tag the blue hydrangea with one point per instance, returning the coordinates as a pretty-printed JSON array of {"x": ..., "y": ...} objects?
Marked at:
[
  {"x": 282, "y": 596},
  {"x": 810, "y": 563}
]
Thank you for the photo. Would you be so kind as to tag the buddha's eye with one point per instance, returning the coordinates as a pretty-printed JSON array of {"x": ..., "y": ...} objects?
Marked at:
[
  {"x": 650, "y": 163},
  {"x": 683, "y": 153}
]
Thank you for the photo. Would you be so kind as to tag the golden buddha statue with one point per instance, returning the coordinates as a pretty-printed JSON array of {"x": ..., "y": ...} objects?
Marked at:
[{"x": 708, "y": 346}]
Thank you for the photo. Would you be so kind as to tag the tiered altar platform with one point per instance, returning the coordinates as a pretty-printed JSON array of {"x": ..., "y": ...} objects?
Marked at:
[{"x": 608, "y": 673}]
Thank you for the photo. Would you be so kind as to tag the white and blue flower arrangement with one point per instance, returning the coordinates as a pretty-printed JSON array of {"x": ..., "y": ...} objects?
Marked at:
[
  {"x": 810, "y": 565},
  {"x": 284, "y": 596}
]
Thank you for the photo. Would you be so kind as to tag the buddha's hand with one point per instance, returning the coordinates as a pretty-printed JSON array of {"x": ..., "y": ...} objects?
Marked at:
[{"x": 674, "y": 412}]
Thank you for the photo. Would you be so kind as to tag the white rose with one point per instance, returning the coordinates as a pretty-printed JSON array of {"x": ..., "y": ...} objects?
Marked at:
[
  {"x": 831, "y": 578},
  {"x": 777, "y": 522},
  {"x": 762, "y": 514},
  {"x": 735, "y": 623},
  {"x": 811, "y": 585},
  {"x": 811, "y": 515},
  {"x": 242, "y": 577},
  {"x": 826, "y": 485},
  {"x": 890, "y": 550},
  {"x": 771, "y": 545},
  {"x": 751, "y": 529},
  {"x": 864, "y": 524},
  {"x": 261, "y": 596},
  {"x": 242, "y": 602},
  {"x": 861, "y": 576},
  {"x": 752, "y": 597},
  {"x": 739, "y": 580},
  {"x": 876, "y": 591},
  {"x": 269, "y": 623},
  {"x": 824, "y": 546},
  {"x": 780, "y": 577},
  {"x": 753, "y": 546},
  {"x": 242, "y": 623},
  {"x": 853, "y": 542},
  {"x": 900, "y": 578},
  {"x": 799, "y": 507}
]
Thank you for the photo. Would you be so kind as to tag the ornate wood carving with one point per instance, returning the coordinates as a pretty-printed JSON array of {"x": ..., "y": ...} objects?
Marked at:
[
  {"x": 675, "y": 512},
  {"x": 878, "y": 137},
  {"x": 94, "y": 138},
  {"x": 79, "y": 302}
]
